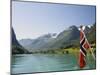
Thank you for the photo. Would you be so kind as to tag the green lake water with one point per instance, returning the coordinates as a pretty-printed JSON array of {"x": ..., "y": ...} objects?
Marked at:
[{"x": 33, "y": 63}]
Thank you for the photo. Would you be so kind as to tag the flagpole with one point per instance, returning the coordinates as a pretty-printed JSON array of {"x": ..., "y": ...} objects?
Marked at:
[{"x": 92, "y": 53}]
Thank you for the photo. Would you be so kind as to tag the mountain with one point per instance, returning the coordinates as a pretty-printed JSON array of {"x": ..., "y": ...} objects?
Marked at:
[
  {"x": 67, "y": 38},
  {"x": 25, "y": 42},
  {"x": 14, "y": 40},
  {"x": 38, "y": 42},
  {"x": 16, "y": 47},
  {"x": 87, "y": 29},
  {"x": 91, "y": 35}
]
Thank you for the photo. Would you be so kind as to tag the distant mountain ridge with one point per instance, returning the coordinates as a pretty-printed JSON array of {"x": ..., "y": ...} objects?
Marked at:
[
  {"x": 62, "y": 40},
  {"x": 25, "y": 42},
  {"x": 39, "y": 42}
]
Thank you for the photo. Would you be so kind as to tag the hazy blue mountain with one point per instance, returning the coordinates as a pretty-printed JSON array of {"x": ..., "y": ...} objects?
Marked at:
[
  {"x": 40, "y": 41},
  {"x": 16, "y": 47},
  {"x": 26, "y": 42}
]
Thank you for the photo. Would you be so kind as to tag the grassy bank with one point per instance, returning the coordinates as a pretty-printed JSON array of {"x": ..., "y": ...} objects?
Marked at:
[{"x": 58, "y": 51}]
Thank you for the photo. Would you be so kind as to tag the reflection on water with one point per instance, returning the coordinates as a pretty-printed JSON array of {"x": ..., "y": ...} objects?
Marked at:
[{"x": 31, "y": 63}]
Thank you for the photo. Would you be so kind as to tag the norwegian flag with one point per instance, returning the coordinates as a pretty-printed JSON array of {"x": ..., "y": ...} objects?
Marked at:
[{"x": 84, "y": 45}]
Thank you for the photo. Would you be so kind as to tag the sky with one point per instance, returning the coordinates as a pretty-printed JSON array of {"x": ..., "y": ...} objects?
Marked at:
[{"x": 31, "y": 19}]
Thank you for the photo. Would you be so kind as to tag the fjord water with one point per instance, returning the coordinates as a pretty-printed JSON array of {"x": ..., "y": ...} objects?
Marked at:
[{"x": 32, "y": 63}]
